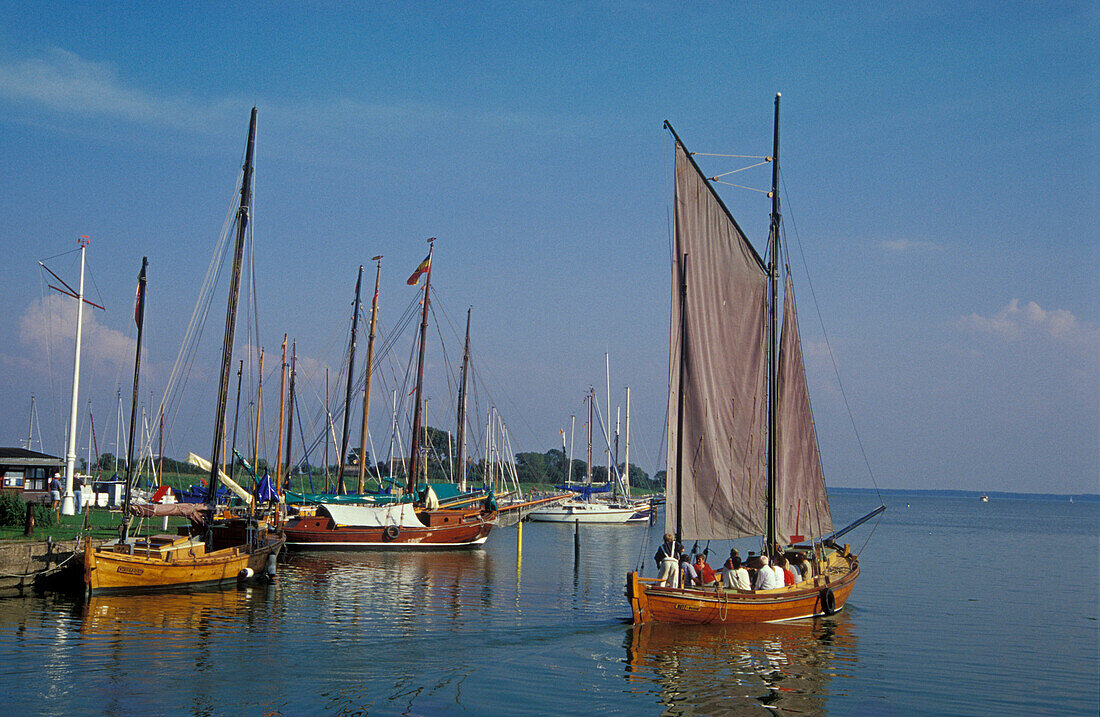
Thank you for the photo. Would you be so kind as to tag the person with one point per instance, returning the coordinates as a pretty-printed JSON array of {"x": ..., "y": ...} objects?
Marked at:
[
  {"x": 766, "y": 577},
  {"x": 78, "y": 493},
  {"x": 753, "y": 563},
  {"x": 782, "y": 564},
  {"x": 792, "y": 566},
  {"x": 55, "y": 491},
  {"x": 805, "y": 566},
  {"x": 704, "y": 573},
  {"x": 736, "y": 576},
  {"x": 668, "y": 562},
  {"x": 729, "y": 561},
  {"x": 689, "y": 576}
]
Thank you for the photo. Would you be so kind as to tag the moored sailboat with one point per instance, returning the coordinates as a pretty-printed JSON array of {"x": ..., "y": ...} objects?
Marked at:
[
  {"x": 159, "y": 562},
  {"x": 734, "y": 381}
]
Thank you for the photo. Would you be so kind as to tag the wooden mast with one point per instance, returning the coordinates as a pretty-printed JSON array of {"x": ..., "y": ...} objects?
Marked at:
[
  {"x": 231, "y": 313},
  {"x": 340, "y": 488},
  {"x": 139, "y": 317},
  {"x": 370, "y": 372},
  {"x": 259, "y": 408},
  {"x": 680, "y": 401},
  {"x": 290, "y": 412},
  {"x": 282, "y": 408},
  {"x": 236, "y": 419},
  {"x": 414, "y": 460},
  {"x": 461, "y": 438},
  {"x": 773, "y": 343}
]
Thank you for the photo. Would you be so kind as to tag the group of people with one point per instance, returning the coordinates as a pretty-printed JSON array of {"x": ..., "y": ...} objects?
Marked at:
[
  {"x": 758, "y": 572},
  {"x": 78, "y": 493}
]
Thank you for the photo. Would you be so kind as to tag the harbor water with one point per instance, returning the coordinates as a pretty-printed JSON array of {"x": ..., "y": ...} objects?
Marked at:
[{"x": 962, "y": 607}]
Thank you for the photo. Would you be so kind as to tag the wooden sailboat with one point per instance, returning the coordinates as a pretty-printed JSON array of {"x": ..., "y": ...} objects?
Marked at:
[
  {"x": 421, "y": 524},
  {"x": 724, "y": 481},
  {"x": 161, "y": 562}
]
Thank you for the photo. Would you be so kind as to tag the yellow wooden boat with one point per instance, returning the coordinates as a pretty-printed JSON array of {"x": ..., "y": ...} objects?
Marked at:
[{"x": 161, "y": 562}]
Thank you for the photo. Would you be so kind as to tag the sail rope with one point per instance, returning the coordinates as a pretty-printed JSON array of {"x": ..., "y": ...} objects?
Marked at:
[{"x": 828, "y": 345}]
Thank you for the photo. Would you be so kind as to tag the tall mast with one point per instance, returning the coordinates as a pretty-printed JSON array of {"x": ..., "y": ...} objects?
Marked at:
[
  {"x": 414, "y": 461},
  {"x": 67, "y": 505},
  {"x": 236, "y": 417},
  {"x": 588, "y": 459},
  {"x": 680, "y": 401},
  {"x": 626, "y": 467},
  {"x": 282, "y": 410},
  {"x": 290, "y": 411},
  {"x": 340, "y": 488},
  {"x": 231, "y": 312},
  {"x": 370, "y": 372},
  {"x": 773, "y": 342},
  {"x": 461, "y": 439},
  {"x": 139, "y": 317},
  {"x": 30, "y": 425},
  {"x": 256, "y": 428}
]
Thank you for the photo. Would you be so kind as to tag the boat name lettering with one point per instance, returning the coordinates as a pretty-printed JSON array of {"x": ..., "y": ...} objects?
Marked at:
[{"x": 130, "y": 571}]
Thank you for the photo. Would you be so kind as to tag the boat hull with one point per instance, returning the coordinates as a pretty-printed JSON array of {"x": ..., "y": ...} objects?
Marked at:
[
  {"x": 586, "y": 514},
  {"x": 824, "y": 595},
  {"x": 107, "y": 571},
  {"x": 463, "y": 530}
]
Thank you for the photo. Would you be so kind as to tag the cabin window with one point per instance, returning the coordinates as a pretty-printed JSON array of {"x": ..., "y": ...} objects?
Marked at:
[{"x": 13, "y": 478}]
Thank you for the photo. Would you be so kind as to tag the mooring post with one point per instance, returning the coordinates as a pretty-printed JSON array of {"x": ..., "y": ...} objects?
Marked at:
[
  {"x": 576, "y": 540},
  {"x": 28, "y": 529}
]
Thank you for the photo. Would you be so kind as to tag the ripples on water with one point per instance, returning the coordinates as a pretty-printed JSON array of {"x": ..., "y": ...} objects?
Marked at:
[{"x": 951, "y": 615}]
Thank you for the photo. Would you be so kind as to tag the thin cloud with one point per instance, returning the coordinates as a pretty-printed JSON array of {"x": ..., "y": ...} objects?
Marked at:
[
  {"x": 49, "y": 324},
  {"x": 905, "y": 246}
]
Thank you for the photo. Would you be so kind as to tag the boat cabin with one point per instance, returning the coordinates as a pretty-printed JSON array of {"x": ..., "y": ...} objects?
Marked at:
[{"x": 28, "y": 473}]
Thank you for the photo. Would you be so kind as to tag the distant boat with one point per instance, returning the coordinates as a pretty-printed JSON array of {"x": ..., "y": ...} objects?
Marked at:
[
  {"x": 741, "y": 462},
  {"x": 984, "y": 499}
]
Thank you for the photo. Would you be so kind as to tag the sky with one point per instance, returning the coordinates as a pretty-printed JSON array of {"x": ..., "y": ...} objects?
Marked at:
[{"x": 940, "y": 188}]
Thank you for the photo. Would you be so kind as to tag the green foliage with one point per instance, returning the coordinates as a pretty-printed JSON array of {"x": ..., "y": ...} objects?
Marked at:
[
  {"x": 44, "y": 515},
  {"x": 13, "y": 511}
]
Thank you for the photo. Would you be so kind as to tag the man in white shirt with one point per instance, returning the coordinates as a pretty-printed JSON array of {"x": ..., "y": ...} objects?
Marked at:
[{"x": 766, "y": 577}]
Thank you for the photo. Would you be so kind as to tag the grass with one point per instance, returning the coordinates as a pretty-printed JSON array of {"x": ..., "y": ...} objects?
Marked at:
[{"x": 102, "y": 524}]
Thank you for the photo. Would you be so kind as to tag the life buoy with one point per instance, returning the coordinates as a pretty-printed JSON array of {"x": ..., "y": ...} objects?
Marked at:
[
  {"x": 828, "y": 601},
  {"x": 390, "y": 532}
]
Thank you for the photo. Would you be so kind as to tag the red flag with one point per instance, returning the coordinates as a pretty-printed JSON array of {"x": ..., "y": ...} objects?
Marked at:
[{"x": 425, "y": 266}]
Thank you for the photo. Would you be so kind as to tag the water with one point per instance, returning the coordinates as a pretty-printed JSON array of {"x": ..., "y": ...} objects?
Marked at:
[{"x": 962, "y": 608}]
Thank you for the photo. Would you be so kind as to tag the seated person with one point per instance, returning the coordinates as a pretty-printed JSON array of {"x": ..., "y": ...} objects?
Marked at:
[
  {"x": 736, "y": 576},
  {"x": 687, "y": 571},
  {"x": 766, "y": 577},
  {"x": 704, "y": 573},
  {"x": 788, "y": 576},
  {"x": 805, "y": 566},
  {"x": 792, "y": 567},
  {"x": 729, "y": 563}
]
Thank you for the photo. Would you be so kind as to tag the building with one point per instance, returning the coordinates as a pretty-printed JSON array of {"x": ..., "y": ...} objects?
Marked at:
[{"x": 28, "y": 473}]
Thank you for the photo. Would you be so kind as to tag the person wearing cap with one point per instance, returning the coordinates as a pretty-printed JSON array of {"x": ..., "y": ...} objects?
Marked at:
[{"x": 55, "y": 491}]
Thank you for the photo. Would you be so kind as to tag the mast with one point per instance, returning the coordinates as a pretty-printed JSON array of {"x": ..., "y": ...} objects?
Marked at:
[
  {"x": 680, "y": 403},
  {"x": 282, "y": 410},
  {"x": 340, "y": 489},
  {"x": 461, "y": 439},
  {"x": 236, "y": 416},
  {"x": 626, "y": 468},
  {"x": 290, "y": 411},
  {"x": 256, "y": 428},
  {"x": 370, "y": 372},
  {"x": 67, "y": 506},
  {"x": 139, "y": 316},
  {"x": 414, "y": 462},
  {"x": 30, "y": 425},
  {"x": 588, "y": 468},
  {"x": 773, "y": 343},
  {"x": 231, "y": 313}
]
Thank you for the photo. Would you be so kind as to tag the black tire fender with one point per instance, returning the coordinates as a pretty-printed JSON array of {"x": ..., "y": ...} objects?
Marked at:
[
  {"x": 828, "y": 601},
  {"x": 390, "y": 532}
]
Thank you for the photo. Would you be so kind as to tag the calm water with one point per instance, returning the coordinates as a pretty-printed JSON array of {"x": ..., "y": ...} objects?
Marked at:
[{"x": 955, "y": 613}]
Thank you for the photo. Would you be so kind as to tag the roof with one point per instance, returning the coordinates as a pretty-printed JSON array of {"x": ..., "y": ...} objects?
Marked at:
[{"x": 21, "y": 456}]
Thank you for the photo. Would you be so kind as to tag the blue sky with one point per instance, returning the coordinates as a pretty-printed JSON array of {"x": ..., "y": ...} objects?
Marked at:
[{"x": 940, "y": 176}]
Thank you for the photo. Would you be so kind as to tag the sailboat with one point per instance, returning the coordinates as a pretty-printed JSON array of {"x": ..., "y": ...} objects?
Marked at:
[
  {"x": 159, "y": 562},
  {"x": 420, "y": 524},
  {"x": 742, "y": 449}
]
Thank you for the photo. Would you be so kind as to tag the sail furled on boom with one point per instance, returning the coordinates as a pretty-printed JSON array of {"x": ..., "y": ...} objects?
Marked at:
[
  {"x": 802, "y": 503},
  {"x": 724, "y": 360}
]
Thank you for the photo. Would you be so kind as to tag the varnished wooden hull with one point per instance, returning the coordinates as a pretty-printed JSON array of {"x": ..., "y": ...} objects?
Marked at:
[
  {"x": 106, "y": 570},
  {"x": 824, "y": 595},
  {"x": 469, "y": 529}
]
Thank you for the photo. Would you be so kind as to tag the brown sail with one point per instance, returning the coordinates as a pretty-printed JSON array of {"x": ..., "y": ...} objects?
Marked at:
[
  {"x": 802, "y": 504},
  {"x": 724, "y": 360}
]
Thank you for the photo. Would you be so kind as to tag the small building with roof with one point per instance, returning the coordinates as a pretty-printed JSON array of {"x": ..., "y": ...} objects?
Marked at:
[{"x": 27, "y": 473}]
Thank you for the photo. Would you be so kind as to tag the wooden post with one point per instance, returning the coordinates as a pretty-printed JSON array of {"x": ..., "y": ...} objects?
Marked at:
[{"x": 29, "y": 529}]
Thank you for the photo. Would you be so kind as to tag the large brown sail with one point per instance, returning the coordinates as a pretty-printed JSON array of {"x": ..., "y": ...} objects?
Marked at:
[
  {"x": 802, "y": 503},
  {"x": 721, "y": 494}
]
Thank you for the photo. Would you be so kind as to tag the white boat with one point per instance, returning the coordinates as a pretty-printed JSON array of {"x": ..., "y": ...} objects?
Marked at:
[{"x": 583, "y": 511}]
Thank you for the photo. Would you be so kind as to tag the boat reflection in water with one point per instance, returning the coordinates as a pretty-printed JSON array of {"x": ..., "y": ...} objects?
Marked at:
[
  {"x": 368, "y": 587},
  {"x": 708, "y": 669},
  {"x": 180, "y": 614}
]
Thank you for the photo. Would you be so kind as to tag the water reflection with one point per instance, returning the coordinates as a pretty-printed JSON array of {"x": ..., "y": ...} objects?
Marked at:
[{"x": 710, "y": 669}]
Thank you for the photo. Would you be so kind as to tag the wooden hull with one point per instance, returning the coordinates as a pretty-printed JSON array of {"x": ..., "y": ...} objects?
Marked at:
[
  {"x": 446, "y": 530},
  {"x": 824, "y": 595},
  {"x": 108, "y": 570}
]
